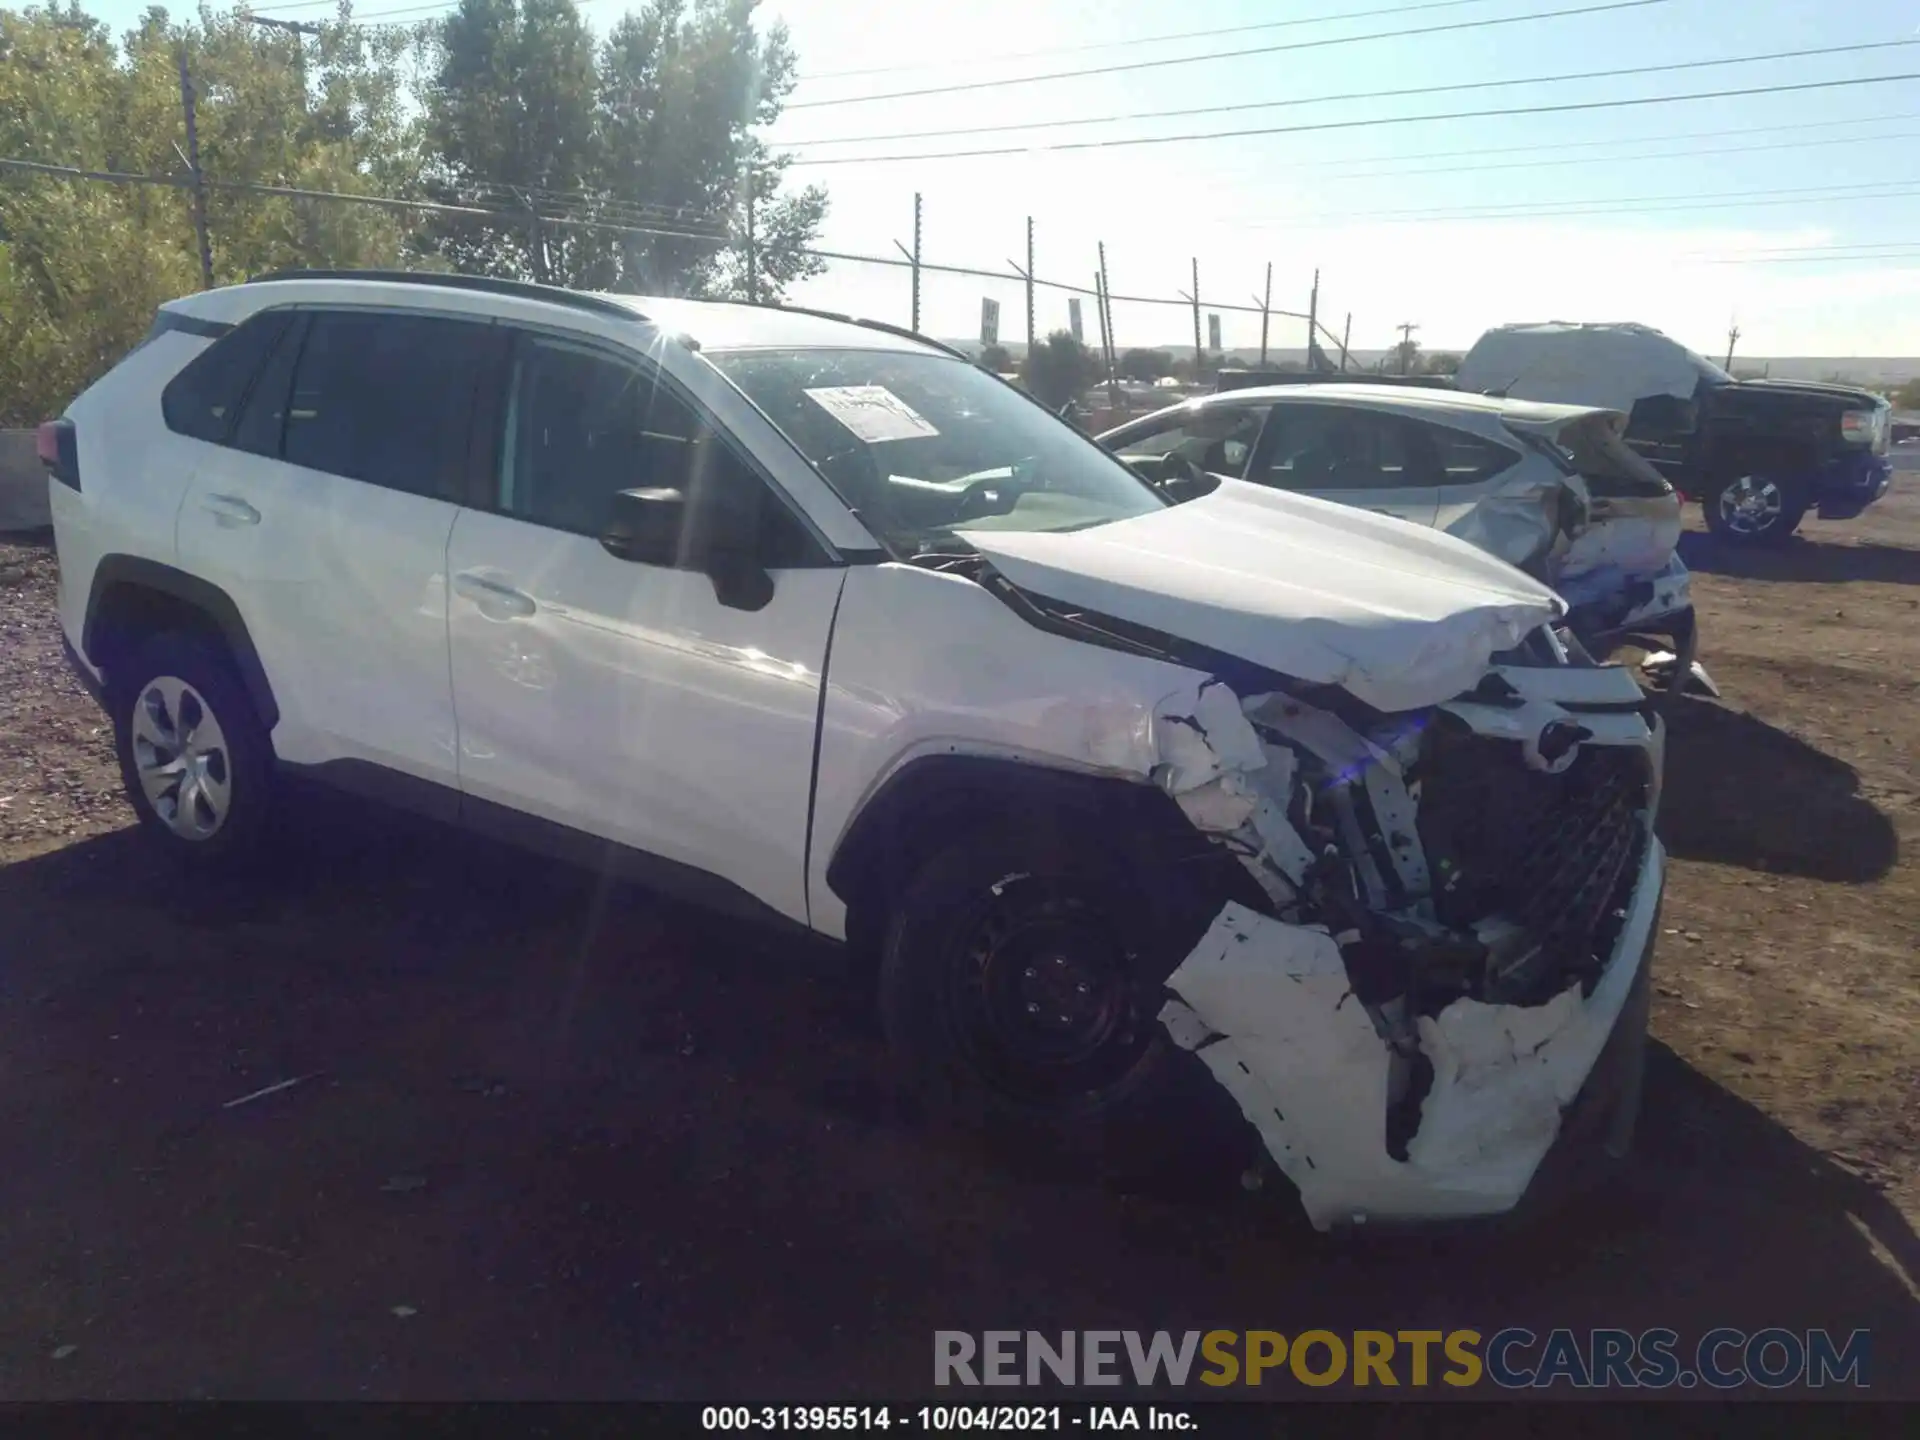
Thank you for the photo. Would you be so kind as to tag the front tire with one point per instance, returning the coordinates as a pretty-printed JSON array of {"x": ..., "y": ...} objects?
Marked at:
[
  {"x": 1021, "y": 980},
  {"x": 1752, "y": 509},
  {"x": 194, "y": 757}
]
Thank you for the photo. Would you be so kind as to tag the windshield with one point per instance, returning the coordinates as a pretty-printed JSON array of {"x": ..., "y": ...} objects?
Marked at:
[{"x": 922, "y": 445}]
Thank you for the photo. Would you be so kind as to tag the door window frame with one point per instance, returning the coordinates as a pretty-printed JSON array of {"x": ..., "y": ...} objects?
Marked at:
[
  {"x": 488, "y": 439},
  {"x": 1416, "y": 447}
]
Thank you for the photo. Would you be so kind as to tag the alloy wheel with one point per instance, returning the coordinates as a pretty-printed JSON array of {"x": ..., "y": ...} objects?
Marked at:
[
  {"x": 180, "y": 755},
  {"x": 1751, "y": 505}
]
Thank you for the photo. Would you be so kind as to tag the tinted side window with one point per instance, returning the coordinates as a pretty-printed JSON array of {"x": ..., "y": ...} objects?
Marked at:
[
  {"x": 1467, "y": 459},
  {"x": 385, "y": 398},
  {"x": 202, "y": 400},
  {"x": 1329, "y": 447},
  {"x": 582, "y": 425}
]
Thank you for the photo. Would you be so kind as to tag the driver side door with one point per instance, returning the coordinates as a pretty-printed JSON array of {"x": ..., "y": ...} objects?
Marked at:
[{"x": 618, "y": 711}]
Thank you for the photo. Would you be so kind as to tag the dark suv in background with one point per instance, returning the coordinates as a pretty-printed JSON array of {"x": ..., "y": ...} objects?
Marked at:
[{"x": 1756, "y": 454}]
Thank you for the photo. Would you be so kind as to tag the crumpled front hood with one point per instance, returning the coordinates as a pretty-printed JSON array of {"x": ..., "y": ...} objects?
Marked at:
[{"x": 1399, "y": 615}]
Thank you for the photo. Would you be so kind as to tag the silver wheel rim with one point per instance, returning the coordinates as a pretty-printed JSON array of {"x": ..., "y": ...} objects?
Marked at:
[
  {"x": 1751, "y": 505},
  {"x": 180, "y": 755}
]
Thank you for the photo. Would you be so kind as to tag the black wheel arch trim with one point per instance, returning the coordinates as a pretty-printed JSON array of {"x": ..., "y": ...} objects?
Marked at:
[
  {"x": 1139, "y": 822},
  {"x": 138, "y": 572}
]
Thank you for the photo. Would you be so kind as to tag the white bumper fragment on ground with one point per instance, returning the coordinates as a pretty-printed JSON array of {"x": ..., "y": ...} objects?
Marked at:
[{"x": 1267, "y": 1007}]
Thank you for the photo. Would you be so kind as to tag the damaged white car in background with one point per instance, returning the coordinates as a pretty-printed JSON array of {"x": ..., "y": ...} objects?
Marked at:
[{"x": 1552, "y": 489}]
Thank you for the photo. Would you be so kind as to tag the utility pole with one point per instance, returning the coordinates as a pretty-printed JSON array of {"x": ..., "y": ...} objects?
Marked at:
[
  {"x": 1345, "y": 335},
  {"x": 192, "y": 157},
  {"x": 1733, "y": 334},
  {"x": 295, "y": 28},
  {"x": 1406, "y": 347}
]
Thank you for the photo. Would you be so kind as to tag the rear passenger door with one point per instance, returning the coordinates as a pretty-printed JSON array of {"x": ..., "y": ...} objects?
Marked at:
[
  {"x": 325, "y": 514},
  {"x": 1364, "y": 458},
  {"x": 1471, "y": 468}
]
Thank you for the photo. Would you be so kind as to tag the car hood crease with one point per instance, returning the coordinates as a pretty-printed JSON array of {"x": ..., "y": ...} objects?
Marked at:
[{"x": 1398, "y": 615}]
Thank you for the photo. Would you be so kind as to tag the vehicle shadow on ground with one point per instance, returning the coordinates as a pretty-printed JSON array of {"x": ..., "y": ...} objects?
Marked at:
[
  {"x": 651, "y": 1153},
  {"x": 1801, "y": 559},
  {"x": 1739, "y": 791}
]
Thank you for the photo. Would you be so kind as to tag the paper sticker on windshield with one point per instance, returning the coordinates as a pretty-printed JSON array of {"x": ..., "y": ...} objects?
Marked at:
[{"x": 872, "y": 412}]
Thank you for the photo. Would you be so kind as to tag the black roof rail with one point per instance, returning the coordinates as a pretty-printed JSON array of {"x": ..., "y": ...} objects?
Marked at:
[
  {"x": 902, "y": 331},
  {"x": 485, "y": 284}
]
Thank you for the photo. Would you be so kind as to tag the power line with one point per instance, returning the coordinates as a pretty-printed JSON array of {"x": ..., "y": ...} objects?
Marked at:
[
  {"x": 1558, "y": 146},
  {"x": 1620, "y": 159},
  {"x": 1291, "y": 45},
  {"x": 1605, "y": 204},
  {"x": 1122, "y": 44},
  {"x": 1354, "y": 95},
  {"x": 1362, "y": 124},
  {"x": 428, "y": 207},
  {"x": 1908, "y": 254},
  {"x": 1575, "y": 210}
]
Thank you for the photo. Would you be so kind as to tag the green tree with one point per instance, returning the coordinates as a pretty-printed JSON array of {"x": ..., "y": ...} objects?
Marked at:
[
  {"x": 1058, "y": 369},
  {"x": 635, "y": 163},
  {"x": 511, "y": 126},
  {"x": 996, "y": 358},
  {"x": 84, "y": 264},
  {"x": 1440, "y": 362},
  {"x": 1146, "y": 365},
  {"x": 1907, "y": 397}
]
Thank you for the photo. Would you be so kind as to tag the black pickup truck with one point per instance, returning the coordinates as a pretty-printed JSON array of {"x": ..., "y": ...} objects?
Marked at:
[{"x": 1756, "y": 454}]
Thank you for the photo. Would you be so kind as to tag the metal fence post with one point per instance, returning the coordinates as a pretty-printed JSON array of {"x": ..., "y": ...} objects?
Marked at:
[
  {"x": 1313, "y": 321},
  {"x": 194, "y": 171},
  {"x": 1266, "y": 307},
  {"x": 1199, "y": 352},
  {"x": 1031, "y": 338}
]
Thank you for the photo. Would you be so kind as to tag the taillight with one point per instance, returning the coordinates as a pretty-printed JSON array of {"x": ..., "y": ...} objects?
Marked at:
[
  {"x": 1859, "y": 426},
  {"x": 59, "y": 449}
]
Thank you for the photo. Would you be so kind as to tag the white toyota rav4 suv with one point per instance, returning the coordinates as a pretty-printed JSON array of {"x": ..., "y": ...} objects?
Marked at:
[{"x": 1255, "y": 797}]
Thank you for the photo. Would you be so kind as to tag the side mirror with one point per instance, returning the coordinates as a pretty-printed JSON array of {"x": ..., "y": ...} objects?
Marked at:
[
  {"x": 645, "y": 526},
  {"x": 652, "y": 527}
]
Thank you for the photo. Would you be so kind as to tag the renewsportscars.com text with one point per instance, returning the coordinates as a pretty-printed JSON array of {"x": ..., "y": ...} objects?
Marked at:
[{"x": 1513, "y": 1358}]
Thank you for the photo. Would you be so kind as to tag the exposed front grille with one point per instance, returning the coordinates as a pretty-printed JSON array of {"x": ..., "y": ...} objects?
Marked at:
[{"x": 1554, "y": 855}]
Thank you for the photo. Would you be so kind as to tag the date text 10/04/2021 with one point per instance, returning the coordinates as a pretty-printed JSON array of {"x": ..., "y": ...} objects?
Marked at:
[{"x": 941, "y": 1418}]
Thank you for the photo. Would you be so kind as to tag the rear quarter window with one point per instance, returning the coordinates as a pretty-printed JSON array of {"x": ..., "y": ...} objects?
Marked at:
[{"x": 202, "y": 401}]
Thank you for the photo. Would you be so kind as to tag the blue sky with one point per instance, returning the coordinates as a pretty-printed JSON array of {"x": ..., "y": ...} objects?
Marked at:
[{"x": 1687, "y": 216}]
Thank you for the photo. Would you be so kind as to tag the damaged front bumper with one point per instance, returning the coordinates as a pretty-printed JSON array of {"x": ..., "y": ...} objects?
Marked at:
[{"x": 1461, "y": 910}]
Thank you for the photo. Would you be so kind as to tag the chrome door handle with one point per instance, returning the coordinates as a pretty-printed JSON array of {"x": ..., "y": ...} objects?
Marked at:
[
  {"x": 230, "y": 510},
  {"x": 494, "y": 597}
]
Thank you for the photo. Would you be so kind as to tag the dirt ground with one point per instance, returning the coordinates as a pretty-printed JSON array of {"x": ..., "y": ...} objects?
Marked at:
[{"x": 556, "y": 1139}]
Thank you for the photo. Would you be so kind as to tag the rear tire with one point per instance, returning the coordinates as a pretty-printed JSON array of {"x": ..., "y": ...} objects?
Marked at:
[
  {"x": 1754, "y": 509},
  {"x": 195, "y": 759},
  {"x": 1021, "y": 980}
]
